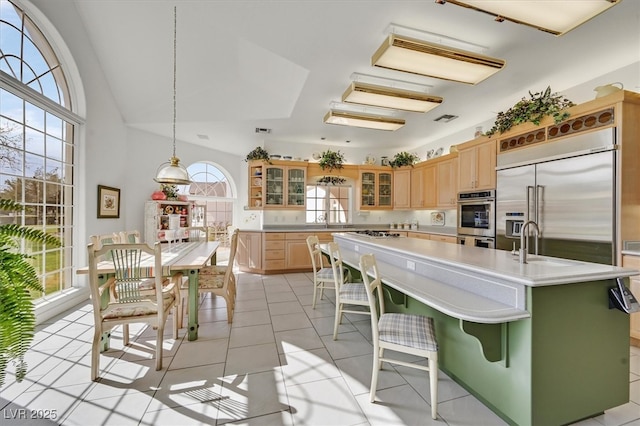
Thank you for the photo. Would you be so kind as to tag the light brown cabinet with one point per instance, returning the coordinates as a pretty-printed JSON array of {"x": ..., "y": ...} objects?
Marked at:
[
  {"x": 477, "y": 165},
  {"x": 402, "y": 188},
  {"x": 249, "y": 254},
  {"x": 433, "y": 237},
  {"x": 375, "y": 189},
  {"x": 446, "y": 186},
  {"x": 276, "y": 186},
  {"x": 274, "y": 250}
]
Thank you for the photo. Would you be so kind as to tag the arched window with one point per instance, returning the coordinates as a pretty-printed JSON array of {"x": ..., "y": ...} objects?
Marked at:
[
  {"x": 211, "y": 188},
  {"x": 36, "y": 143}
]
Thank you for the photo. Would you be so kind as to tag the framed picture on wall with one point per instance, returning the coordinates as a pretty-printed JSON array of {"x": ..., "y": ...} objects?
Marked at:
[{"x": 108, "y": 202}]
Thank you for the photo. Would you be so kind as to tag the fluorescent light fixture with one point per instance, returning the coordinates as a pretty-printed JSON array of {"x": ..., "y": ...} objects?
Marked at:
[
  {"x": 389, "y": 97},
  {"x": 419, "y": 56},
  {"x": 556, "y": 17},
  {"x": 358, "y": 119}
]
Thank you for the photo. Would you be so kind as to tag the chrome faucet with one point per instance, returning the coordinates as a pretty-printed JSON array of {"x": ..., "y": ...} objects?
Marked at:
[{"x": 523, "y": 239}]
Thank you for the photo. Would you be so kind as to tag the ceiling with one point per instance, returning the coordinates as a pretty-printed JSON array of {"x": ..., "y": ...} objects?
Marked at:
[{"x": 278, "y": 64}]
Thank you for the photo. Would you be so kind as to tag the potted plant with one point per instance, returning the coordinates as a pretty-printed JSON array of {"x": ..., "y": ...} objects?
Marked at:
[
  {"x": 259, "y": 153},
  {"x": 404, "y": 159},
  {"x": 17, "y": 278},
  {"x": 331, "y": 160},
  {"x": 171, "y": 191},
  {"x": 538, "y": 106},
  {"x": 331, "y": 180}
]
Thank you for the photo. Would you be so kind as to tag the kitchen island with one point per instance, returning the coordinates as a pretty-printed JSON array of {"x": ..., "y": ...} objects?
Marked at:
[{"x": 536, "y": 342}]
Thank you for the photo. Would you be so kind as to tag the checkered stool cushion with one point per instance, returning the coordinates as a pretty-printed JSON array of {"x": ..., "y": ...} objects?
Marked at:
[
  {"x": 354, "y": 291},
  {"x": 416, "y": 331}
]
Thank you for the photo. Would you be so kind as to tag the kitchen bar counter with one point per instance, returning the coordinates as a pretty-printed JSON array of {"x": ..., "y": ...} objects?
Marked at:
[
  {"x": 439, "y": 230},
  {"x": 547, "y": 368}
]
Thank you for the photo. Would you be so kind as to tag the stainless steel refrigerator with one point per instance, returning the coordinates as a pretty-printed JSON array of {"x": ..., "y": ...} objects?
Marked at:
[{"x": 568, "y": 188}]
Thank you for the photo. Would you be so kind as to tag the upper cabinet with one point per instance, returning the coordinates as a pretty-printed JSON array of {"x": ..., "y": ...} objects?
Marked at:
[
  {"x": 277, "y": 186},
  {"x": 402, "y": 188},
  {"x": 446, "y": 182},
  {"x": 477, "y": 165},
  {"x": 375, "y": 191}
]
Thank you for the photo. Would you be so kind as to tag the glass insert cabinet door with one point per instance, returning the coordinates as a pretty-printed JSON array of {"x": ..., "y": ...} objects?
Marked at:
[
  {"x": 295, "y": 187},
  {"x": 368, "y": 186},
  {"x": 274, "y": 186},
  {"x": 384, "y": 189}
]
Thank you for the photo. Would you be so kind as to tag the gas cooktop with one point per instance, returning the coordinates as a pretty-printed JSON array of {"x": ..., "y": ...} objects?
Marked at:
[{"x": 376, "y": 234}]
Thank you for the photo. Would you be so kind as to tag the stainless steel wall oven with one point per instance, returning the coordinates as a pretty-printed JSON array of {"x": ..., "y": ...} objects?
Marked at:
[{"x": 477, "y": 215}]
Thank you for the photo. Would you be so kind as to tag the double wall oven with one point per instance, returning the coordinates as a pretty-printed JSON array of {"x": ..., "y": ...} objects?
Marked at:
[{"x": 477, "y": 218}]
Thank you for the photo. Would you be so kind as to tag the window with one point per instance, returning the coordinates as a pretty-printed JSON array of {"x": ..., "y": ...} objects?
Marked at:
[
  {"x": 36, "y": 143},
  {"x": 328, "y": 204},
  {"x": 210, "y": 188}
]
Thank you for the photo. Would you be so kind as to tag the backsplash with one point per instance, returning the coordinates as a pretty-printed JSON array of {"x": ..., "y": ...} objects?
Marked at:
[{"x": 373, "y": 218}]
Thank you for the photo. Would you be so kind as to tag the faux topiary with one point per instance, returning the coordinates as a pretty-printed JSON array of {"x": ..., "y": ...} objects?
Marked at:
[{"x": 534, "y": 109}]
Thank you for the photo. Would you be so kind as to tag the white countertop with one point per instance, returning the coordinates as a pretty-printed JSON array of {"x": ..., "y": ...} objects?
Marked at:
[{"x": 539, "y": 271}]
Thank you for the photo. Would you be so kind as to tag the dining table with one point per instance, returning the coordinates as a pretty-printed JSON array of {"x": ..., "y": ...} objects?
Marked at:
[{"x": 184, "y": 257}]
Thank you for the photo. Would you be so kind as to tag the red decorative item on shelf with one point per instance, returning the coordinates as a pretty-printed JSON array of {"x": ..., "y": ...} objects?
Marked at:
[
  {"x": 183, "y": 197},
  {"x": 158, "y": 195}
]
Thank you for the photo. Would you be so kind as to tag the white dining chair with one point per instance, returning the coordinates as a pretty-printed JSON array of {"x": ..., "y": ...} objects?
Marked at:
[
  {"x": 323, "y": 277},
  {"x": 406, "y": 333},
  {"x": 135, "y": 294},
  {"x": 348, "y": 295}
]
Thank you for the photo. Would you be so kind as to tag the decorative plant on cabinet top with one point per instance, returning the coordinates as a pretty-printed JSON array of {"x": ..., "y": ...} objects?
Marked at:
[
  {"x": 17, "y": 278},
  {"x": 258, "y": 153},
  {"x": 331, "y": 160},
  {"x": 404, "y": 159},
  {"x": 534, "y": 109}
]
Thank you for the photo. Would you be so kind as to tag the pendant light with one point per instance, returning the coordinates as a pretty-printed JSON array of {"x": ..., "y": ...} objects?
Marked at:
[{"x": 172, "y": 172}]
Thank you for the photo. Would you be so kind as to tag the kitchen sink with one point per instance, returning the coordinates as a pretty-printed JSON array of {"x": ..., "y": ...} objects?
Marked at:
[{"x": 549, "y": 262}]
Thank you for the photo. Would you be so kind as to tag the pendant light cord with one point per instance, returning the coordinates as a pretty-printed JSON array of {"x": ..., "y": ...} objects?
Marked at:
[{"x": 175, "y": 36}]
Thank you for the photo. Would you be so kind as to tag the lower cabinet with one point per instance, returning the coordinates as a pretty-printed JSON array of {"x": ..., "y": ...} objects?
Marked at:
[
  {"x": 249, "y": 254},
  {"x": 434, "y": 237},
  {"x": 634, "y": 283},
  {"x": 277, "y": 252}
]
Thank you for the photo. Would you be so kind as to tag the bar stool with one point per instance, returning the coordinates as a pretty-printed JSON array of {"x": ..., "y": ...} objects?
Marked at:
[{"x": 407, "y": 333}]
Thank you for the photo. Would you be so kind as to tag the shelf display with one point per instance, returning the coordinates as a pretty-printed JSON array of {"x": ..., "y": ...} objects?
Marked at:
[
  {"x": 376, "y": 190},
  {"x": 163, "y": 218},
  {"x": 275, "y": 186}
]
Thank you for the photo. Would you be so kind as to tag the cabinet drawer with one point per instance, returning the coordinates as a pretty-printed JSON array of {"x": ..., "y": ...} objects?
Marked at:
[
  {"x": 443, "y": 238},
  {"x": 274, "y": 254},
  {"x": 297, "y": 235},
  {"x": 271, "y": 236},
  {"x": 274, "y": 245},
  {"x": 325, "y": 237},
  {"x": 631, "y": 262},
  {"x": 274, "y": 264}
]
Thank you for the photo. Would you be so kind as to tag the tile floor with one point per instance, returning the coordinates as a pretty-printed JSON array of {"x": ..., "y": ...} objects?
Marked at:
[{"x": 275, "y": 365}]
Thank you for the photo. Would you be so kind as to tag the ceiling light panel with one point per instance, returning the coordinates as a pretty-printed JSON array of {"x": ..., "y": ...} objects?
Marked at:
[
  {"x": 402, "y": 53},
  {"x": 369, "y": 121},
  {"x": 556, "y": 17},
  {"x": 389, "y": 97}
]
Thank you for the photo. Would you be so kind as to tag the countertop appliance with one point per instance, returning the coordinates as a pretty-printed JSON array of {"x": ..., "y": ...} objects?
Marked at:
[
  {"x": 568, "y": 188},
  {"x": 376, "y": 234},
  {"x": 476, "y": 218}
]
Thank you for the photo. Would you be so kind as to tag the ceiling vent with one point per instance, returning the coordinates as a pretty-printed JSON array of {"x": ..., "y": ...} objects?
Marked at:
[
  {"x": 445, "y": 118},
  {"x": 263, "y": 130}
]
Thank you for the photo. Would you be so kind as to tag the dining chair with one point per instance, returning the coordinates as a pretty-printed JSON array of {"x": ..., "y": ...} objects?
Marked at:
[
  {"x": 217, "y": 280},
  {"x": 323, "y": 277},
  {"x": 135, "y": 294},
  {"x": 406, "y": 333},
  {"x": 100, "y": 240},
  {"x": 130, "y": 236},
  {"x": 195, "y": 233},
  {"x": 347, "y": 294}
]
